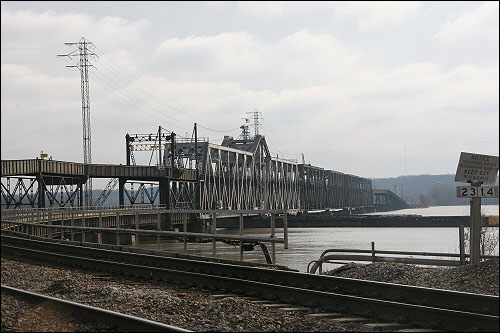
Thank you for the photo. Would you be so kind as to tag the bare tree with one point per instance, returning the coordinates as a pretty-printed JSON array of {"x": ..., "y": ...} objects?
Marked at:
[{"x": 489, "y": 239}]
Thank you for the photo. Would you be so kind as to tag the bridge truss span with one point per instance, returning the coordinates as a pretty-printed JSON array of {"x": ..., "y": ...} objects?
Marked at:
[
  {"x": 192, "y": 174},
  {"x": 231, "y": 178}
]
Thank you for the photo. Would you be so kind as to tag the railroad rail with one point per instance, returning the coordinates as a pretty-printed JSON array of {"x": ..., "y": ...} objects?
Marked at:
[
  {"x": 122, "y": 321},
  {"x": 441, "y": 309}
]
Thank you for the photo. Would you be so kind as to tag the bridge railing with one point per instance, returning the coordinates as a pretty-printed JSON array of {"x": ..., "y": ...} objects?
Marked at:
[{"x": 62, "y": 223}]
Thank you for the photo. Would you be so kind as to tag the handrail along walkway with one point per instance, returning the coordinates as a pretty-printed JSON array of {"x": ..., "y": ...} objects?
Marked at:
[{"x": 47, "y": 223}]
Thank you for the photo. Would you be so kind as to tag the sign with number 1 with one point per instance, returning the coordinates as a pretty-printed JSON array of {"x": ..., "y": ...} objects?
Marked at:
[{"x": 477, "y": 191}]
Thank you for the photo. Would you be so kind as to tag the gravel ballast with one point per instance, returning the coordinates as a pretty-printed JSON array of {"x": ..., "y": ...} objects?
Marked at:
[
  {"x": 481, "y": 278},
  {"x": 154, "y": 300},
  {"x": 194, "y": 309}
]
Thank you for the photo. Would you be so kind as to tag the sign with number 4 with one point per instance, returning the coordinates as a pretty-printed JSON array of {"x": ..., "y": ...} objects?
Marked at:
[{"x": 477, "y": 191}]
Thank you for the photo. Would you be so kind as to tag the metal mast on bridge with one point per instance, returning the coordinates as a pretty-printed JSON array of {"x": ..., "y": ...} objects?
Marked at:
[{"x": 84, "y": 51}]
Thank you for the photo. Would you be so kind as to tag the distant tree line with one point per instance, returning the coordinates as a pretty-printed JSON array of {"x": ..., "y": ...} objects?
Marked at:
[{"x": 427, "y": 190}]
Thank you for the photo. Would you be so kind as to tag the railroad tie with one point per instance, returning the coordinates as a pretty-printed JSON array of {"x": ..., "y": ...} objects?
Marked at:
[
  {"x": 383, "y": 327},
  {"x": 293, "y": 309},
  {"x": 221, "y": 296},
  {"x": 352, "y": 320}
]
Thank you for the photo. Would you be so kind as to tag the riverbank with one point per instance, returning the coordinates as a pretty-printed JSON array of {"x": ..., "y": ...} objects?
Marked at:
[{"x": 323, "y": 220}]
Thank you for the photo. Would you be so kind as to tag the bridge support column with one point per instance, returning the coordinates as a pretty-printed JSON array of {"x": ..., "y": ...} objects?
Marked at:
[
  {"x": 41, "y": 191},
  {"x": 81, "y": 196},
  {"x": 121, "y": 191},
  {"x": 165, "y": 200}
]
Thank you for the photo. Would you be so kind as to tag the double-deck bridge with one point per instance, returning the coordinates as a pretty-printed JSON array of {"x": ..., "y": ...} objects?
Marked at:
[{"x": 239, "y": 174}]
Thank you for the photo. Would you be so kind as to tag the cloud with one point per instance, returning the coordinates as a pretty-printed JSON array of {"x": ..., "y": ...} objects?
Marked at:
[
  {"x": 368, "y": 14},
  {"x": 211, "y": 56},
  {"x": 44, "y": 28},
  {"x": 364, "y": 114},
  {"x": 30, "y": 26},
  {"x": 267, "y": 8},
  {"x": 320, "y": 94},
  {"x": 376, "y": 14},
  {"x": 272, "y": 9},
  {"x": 480, "y": 22},
  {"x": 298, "y": 59}
]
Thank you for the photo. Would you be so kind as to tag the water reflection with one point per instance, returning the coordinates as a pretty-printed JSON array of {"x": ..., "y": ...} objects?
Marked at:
[{"x": 307, "y": 244}]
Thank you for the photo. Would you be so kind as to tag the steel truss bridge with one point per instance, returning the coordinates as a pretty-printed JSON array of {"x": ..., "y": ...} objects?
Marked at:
[{"x": 238, "y": 174}]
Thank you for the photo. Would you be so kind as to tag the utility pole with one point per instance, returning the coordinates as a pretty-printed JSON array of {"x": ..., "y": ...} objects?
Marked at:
[
  {"x": 256, "y": 117},
  {"x": 84, "y": 51}
]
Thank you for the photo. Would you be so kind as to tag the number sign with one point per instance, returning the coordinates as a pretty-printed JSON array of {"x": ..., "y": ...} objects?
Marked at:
[{"x": 477, "y": 191}]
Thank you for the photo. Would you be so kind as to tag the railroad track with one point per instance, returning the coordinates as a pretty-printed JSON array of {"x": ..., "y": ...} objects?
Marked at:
[
  {"x": 432, "y": 308},
  {"x": 113, "y": 319}
]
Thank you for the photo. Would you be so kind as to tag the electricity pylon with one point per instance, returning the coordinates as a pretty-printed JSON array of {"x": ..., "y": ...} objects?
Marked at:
[
  {"x": 83, "y": 49},
  {"x": 256, "y": 117}
]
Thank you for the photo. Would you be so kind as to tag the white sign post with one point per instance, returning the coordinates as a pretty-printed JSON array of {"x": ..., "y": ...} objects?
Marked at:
[{"x": 476, "y": 169}]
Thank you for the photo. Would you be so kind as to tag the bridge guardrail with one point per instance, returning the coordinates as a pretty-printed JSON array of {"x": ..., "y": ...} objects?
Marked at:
[{"x": 50, "y": 223}]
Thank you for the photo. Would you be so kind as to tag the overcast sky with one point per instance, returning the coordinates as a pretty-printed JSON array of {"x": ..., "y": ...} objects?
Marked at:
[{"x": 352, "y": 85}]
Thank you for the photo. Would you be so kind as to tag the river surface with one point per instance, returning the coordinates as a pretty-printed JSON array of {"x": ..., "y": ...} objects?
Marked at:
[
  {"x": 442, "y": 211},
  {"x": 307, "y": 244}
]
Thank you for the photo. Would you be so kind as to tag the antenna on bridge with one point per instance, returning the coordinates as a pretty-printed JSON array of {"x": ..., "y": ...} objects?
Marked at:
[
  {"x": 84, "y": 51},
  {"x": 245, "y": 133}
]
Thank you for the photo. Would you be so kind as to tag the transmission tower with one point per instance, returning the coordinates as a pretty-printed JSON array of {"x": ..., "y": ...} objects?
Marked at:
[
  {"x": 84, "y": 51},
  {"x": 256, "y": 117}
]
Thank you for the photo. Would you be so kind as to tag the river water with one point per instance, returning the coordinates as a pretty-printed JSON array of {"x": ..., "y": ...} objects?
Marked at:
[{"x": 307, "y": 244}]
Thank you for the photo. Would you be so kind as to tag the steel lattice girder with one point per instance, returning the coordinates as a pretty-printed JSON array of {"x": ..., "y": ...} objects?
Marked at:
[
  {"x": 63, "y": 188},
  {"x": 9, "y": 197},
  {"x": 58, "y": 190},
  {"x": 249, "y": 178}
]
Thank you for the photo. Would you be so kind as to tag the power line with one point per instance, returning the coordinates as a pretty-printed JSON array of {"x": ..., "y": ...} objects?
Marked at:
[
  {"x": 131, "y": 83},
  {"x": 118, "y": 74},
  {"x": 27, "y": 62},
  {"x": 145, "y": 85},
  {"x": 220, "y": 131},
  {"x": 31, "y": 48},
  {"x": 118, "y": 90},
  {"x": 128, "y": 96},
  {"x": 138, "y": 82},
  {"x": 56, "y": 70},
  {"x": 129, "y": 87},
  {"x": 125, "y": 98},
  {"x": 277, "y": 143}
]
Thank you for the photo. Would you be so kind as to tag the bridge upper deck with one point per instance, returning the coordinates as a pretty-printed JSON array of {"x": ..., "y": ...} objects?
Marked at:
[{"x": 33, "y": 167}]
